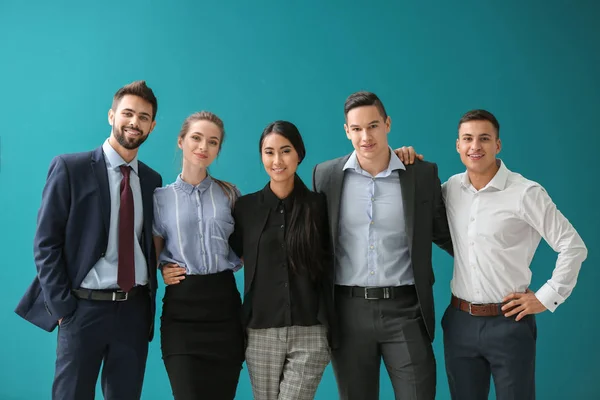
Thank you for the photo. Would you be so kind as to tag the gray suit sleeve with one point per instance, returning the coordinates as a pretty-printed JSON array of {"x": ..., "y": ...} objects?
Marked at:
[{"x": 441, "y": 230}]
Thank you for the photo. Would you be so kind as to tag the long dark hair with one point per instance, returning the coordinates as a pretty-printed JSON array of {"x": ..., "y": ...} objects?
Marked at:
[{"x": 303, "y": 237}]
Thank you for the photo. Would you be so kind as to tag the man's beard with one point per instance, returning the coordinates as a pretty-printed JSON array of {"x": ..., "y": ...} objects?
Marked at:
[{"x": 129, "y": 143}]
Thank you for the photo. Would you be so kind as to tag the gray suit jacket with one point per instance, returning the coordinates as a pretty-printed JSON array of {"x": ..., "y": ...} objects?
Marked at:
[{"x": 424, "y": 213}]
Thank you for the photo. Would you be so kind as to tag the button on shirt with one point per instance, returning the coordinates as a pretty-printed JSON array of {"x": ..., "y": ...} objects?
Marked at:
[
  {"x": 104, "y": 273},
  {"x": 372, "y": 245},
  {"x": 496, "y": 231},
  {"x": 195, "y": 222},
  {"x": 280, "y": 296}
]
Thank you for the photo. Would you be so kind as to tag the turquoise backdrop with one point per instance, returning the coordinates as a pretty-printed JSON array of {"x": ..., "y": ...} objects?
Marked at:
[{"x": 534, "y": 63}]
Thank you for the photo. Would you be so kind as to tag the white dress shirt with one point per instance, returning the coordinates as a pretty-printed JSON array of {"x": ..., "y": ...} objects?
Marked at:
[{"x": 496, "y": 231}]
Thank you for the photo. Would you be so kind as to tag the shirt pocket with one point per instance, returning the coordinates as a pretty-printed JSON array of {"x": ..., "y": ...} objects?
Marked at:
[{"x": 219, "y": 231}]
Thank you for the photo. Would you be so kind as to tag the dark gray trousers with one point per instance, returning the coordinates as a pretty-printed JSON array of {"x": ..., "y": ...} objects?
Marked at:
[
  {"x": 392, "y": 329},
  {"x": 477, "y": 348}
]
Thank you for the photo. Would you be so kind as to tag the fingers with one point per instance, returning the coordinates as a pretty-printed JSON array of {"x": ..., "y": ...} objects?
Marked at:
[
  {"x": 401, "y": 153},
  {"x": 511, "y": 297},
  {"x": 173, "y": 274},
  {"x": 59, "y": 321},
  {"x": 515, "y": 311},
  {"x": 420, "y": 157},
  {"x": 522, "y": 315},
  {"x": 510, "y": 304}
]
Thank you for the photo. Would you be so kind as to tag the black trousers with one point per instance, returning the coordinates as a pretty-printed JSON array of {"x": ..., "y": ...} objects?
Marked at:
[
  {"x": 202, "y": 338},
  {"x": 392, "y": 329},
  {"x": 112, "y": 334},
  {"x": 477, "y": 348}
]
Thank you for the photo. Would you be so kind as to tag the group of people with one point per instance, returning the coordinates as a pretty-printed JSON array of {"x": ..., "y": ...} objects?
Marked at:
[{"x": 340, "y": 273}]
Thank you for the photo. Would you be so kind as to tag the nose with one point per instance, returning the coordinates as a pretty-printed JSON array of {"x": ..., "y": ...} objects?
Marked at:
[
  {"x": 134, "y": 121},
  {"x": 476, "y": 144},
  {"x": 277, "y": 158},
  {"x": 364, "y": 135}
]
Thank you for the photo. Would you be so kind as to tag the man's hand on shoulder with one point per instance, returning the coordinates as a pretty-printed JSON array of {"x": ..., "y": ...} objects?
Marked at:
[{"x": 408, "y": 155}]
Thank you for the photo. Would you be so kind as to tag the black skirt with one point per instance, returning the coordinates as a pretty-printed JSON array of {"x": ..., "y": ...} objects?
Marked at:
[{"x": 201, "y": 317}]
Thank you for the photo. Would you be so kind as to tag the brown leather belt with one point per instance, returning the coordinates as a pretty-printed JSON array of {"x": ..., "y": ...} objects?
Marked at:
[{"x": 477, "y": 310}]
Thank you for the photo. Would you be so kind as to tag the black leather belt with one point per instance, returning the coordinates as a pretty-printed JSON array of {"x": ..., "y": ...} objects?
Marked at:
[
  {"x": 108, "y": 294},
  {"x": 375, "y": 293}
]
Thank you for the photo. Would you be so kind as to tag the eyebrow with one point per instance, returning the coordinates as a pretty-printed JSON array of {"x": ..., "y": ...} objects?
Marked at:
[
  {"x": 470, "y": 134},
  {"x": 376, "y": 121},
  {"x": 281, "y": 148},
  {"x": 133, "y": 111},
  {"x": 202, "y": 134}
]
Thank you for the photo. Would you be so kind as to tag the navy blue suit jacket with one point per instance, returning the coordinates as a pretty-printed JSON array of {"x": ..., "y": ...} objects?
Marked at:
[{"x": 72, "y": 234}]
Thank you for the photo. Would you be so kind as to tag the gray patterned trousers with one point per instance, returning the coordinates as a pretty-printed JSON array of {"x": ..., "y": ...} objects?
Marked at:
[{"x": 287, "y": 363}]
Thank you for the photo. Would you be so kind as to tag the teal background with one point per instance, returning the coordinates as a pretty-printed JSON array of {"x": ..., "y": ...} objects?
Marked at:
[{"x": 534, "y": 63}]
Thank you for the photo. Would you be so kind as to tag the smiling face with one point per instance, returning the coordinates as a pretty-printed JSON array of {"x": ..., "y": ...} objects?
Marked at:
[
  {"x": 367, "y": 129},
  {"x": 279, "y": 157},
  {"x": 131, "y": 121},
  {"x": 478, "y": 144},
  {"x": 201, "y": 143}
]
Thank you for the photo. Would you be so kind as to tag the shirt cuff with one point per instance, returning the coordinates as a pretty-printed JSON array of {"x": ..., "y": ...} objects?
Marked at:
[{"x": 549, "y": 298}]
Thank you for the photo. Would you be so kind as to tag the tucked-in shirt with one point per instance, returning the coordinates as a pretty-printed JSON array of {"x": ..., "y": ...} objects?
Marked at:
[
  {"x": 281, "y": 297},
  {"x": 104, "y": 273},
  {"x": 195, "y": 222},
  {"x": 372, "y": 247},
  {"x": 496, "y": 231}
]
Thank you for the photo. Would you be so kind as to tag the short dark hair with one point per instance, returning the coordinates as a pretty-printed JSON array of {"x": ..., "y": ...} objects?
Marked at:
[
  {"x": 137, "y": 88},
  {"x": 481, "y": 115},
  {"x": 360, "y": 99}
]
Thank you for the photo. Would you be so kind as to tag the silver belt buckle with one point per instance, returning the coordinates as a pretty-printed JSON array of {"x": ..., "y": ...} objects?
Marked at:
[
  {"x": 367, "y": 294},
  {"x": 386, "y": 293},
  {"x": 114, "y": 296}
]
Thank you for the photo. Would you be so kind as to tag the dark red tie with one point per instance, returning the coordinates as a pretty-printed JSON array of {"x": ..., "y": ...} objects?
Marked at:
[{"x": 126, "y": 273}]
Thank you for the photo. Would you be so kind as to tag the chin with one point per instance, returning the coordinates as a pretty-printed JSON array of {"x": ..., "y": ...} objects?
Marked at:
[{"x": 280, "y": 178}]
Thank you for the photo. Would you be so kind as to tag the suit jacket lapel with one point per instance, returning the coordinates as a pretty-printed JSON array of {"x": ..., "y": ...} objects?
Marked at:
[
  {"x": 407, "y": 185},
  {"x": 99, "y": 169}
]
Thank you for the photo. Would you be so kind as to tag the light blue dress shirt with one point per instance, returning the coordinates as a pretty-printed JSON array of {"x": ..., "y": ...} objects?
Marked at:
[
  {"x": 195, "y": 222},
  {"x": 104, "y": 274},
  {"x": 372, "y": 248}
]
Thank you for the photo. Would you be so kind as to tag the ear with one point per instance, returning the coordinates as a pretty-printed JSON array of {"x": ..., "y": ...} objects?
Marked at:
[
  {"x": 498, "y": 146},
  {"x": 347, "y": 132},
  {"x": 457, "y": 149},
  {"x": 111, "y": 117},
  {"x": 179, "y": 143},
  {"x": 152, "y": 127},
  {"x": 388, "y": 124}
]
